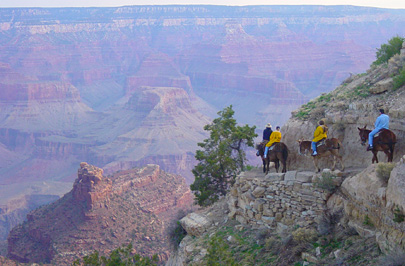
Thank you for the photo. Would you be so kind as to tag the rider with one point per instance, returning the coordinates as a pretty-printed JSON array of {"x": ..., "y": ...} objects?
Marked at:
[
  {"x": 382, "y": 122},
  {"x": 266, "y": 133},
  {"x": 319, "y": 134},
  {"x": 274, "y": 137}
]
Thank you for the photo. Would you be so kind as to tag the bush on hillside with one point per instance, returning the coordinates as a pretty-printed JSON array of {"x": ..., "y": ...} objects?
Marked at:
[
  {"x": 399, "y": 80},
  {"x": 388, "y": 50},
  {"x": 118, "y": 257},
  {"x": 384, "y": 171}
]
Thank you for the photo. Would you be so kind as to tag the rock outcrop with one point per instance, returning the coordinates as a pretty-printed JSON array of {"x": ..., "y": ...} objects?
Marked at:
[
  {"x": 135, "y": 206},
  {"x": 122, "y": 87},
  {"x": 370, "y": 206}
]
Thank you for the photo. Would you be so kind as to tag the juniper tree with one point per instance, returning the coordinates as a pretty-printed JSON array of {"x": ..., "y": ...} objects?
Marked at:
[
  {"x": 222, "y": 157},
  {"x": 388, "y": 50}
]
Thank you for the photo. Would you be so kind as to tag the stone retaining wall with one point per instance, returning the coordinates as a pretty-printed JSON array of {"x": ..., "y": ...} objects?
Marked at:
[{"x": 277, "y": 199}]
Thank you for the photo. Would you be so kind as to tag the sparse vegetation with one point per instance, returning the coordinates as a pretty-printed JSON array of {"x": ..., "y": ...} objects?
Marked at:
[
  {"x": 118, "y": 257},
  {"x": 399, "y": 80},
  {"x": 399, "y": 217},
  {"x": 383, "y": 171},
  {"x": 388, "y": 50},
  {"x": 367, "y": 221},
  {"x": 302, "y": 235},
  {"x": 177, "y": 234},
  {"x": 326, "y": 182}
]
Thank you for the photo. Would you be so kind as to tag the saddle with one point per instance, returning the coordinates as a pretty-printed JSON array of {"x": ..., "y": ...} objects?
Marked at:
[{"x": 320, "y": 143}]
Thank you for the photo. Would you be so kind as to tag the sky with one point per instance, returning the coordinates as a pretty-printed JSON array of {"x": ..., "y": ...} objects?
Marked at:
[{"x": 109, "y": 3}]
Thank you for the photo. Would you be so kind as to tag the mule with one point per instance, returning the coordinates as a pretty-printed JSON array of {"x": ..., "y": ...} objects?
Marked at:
[
  {"x": 279, "y": 153},
  {"x": 383, "y": 141},
  {"x": 330, "y": 148}
]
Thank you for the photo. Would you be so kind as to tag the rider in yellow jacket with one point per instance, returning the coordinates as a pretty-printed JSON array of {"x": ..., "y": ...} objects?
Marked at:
[
  {"x": 274, "y": 137},
  {"x": 319, "y": 134}
]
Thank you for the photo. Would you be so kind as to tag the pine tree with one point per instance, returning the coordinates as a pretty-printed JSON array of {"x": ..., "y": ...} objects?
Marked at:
[{"x": 222, "y": 157}]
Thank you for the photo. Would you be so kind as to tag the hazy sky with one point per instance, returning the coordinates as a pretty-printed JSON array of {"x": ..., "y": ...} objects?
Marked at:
[{"x": 81, "y": 3}]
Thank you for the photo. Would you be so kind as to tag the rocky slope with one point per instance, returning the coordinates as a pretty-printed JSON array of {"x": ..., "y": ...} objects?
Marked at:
[
  {"x": 351, "y": 105},
  {"x": 135, "y": 206},
  {"x": 354, "y": 217},
  {"x": 121, "y": 87}
]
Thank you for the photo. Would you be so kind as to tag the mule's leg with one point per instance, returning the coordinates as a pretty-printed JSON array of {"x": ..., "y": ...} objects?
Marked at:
[
  {"x": 277, "y": 165},
  {"x": 375, "y": 159},
  {"x": 341, "y": 161},
  {"x": 264, "y": 166},
  {"x": 316, "y": 164},
  {"x": 268, "y": 166},
  {"x": 284, "y": 162},
  {"x": 334, "y": 162}
]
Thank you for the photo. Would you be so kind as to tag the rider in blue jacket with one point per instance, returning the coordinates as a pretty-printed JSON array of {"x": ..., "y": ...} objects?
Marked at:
[{"x": 382, "y": 122}]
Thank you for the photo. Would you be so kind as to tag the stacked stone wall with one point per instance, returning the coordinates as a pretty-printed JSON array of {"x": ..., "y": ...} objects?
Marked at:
[{"x": 277, "y": 199}]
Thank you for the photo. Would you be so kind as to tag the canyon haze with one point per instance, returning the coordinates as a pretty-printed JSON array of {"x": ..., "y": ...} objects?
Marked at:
[{"x": 124, "y": 87}]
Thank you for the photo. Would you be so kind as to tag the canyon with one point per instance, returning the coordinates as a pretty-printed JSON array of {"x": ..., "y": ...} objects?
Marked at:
[
  {"x": 136, "y": 206},
  {"x": 129, "y": 86}
]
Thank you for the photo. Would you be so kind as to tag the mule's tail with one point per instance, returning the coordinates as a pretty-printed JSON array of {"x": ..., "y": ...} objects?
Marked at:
[
  {"x": 285, "y": 153},
  {"x": 391, "y": 147}
]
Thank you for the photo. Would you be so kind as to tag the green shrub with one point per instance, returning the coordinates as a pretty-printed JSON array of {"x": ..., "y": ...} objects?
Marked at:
[
  {"x": 304, "y": 235},
  {"x": 387, "y": 51},
  {"x": 326, "y": 182},
  {"x": 399, "y": 80},
  {"x": 384, "y": 171},
  {"x": 219, "y": 253},
  {"x": 367, "y": 221},
  {"x": 118, "y": 257},
  {"x": 399, "y": 217},
  {"x": 177, "y": 234}
]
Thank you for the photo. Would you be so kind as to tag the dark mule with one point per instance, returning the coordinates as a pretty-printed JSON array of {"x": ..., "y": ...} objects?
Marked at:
[
  {"x": 330, "y": 147},
  {"x": 383, "y": 141},
  {"x": 279, "y": 153}
]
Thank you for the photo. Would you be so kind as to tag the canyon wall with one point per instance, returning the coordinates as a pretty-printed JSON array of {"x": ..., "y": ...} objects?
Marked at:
[
  {"x": 136, "y": 206},
  {"x": 121, "y": 87}
]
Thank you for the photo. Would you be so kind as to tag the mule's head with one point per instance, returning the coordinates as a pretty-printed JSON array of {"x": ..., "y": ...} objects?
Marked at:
[
  {"x": 363, "y": 133},
  {"x": 260, "y": 148},
  {"x": 302, "y": 149}
]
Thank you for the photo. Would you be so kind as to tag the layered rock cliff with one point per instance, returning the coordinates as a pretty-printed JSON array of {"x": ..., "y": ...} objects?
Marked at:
[
  {"x": 135, "y": 206},
  {"x": 352, "y": 217},
  {"x": 121, "y": 87}
]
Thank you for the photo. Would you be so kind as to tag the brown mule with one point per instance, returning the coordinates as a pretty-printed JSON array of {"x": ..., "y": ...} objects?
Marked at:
[
  {"x": 279, "y": 153},
  {"x": 329, "y": 148},
  {"x": 384, "y": 141}
]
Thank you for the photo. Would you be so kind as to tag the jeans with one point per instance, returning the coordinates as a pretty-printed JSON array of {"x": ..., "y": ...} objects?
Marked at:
[
  {"x": 313, "y": 145},
  {"x": 266, "y": 150},
  {"x": 371, "y": 136}
]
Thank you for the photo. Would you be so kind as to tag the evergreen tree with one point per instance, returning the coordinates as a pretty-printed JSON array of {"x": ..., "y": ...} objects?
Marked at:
[
  {"x": 222, "y": 157},
  {"x": 388, "y": 50}
]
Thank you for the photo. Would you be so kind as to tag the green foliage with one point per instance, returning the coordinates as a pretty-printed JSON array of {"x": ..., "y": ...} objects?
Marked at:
[
  {"x": 118, "y": 257},
  {"x": 219, "y": 253},
  {"x": 304, "y": 235},
  {"x": 384, "y": 171},
  {"x": 399, "y": 217},
  {"x": 233, "y": 247},
  {"x": 399, "y": 80},
  {"x": 222, "y": 158},
  {"x": 177, "y": 234},
  {"x": 386, "y": 51},
  {"x": 361, "y": 91},
  {"x": 367, "y": 221},
  {"x": 326, "y": 182}
]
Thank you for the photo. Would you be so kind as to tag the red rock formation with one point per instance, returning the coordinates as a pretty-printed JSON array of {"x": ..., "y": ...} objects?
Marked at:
[
  {"x": 135, "y": 206},
  {"x": 90, "y": 187},
  {"x": 120, "y": 87}
]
